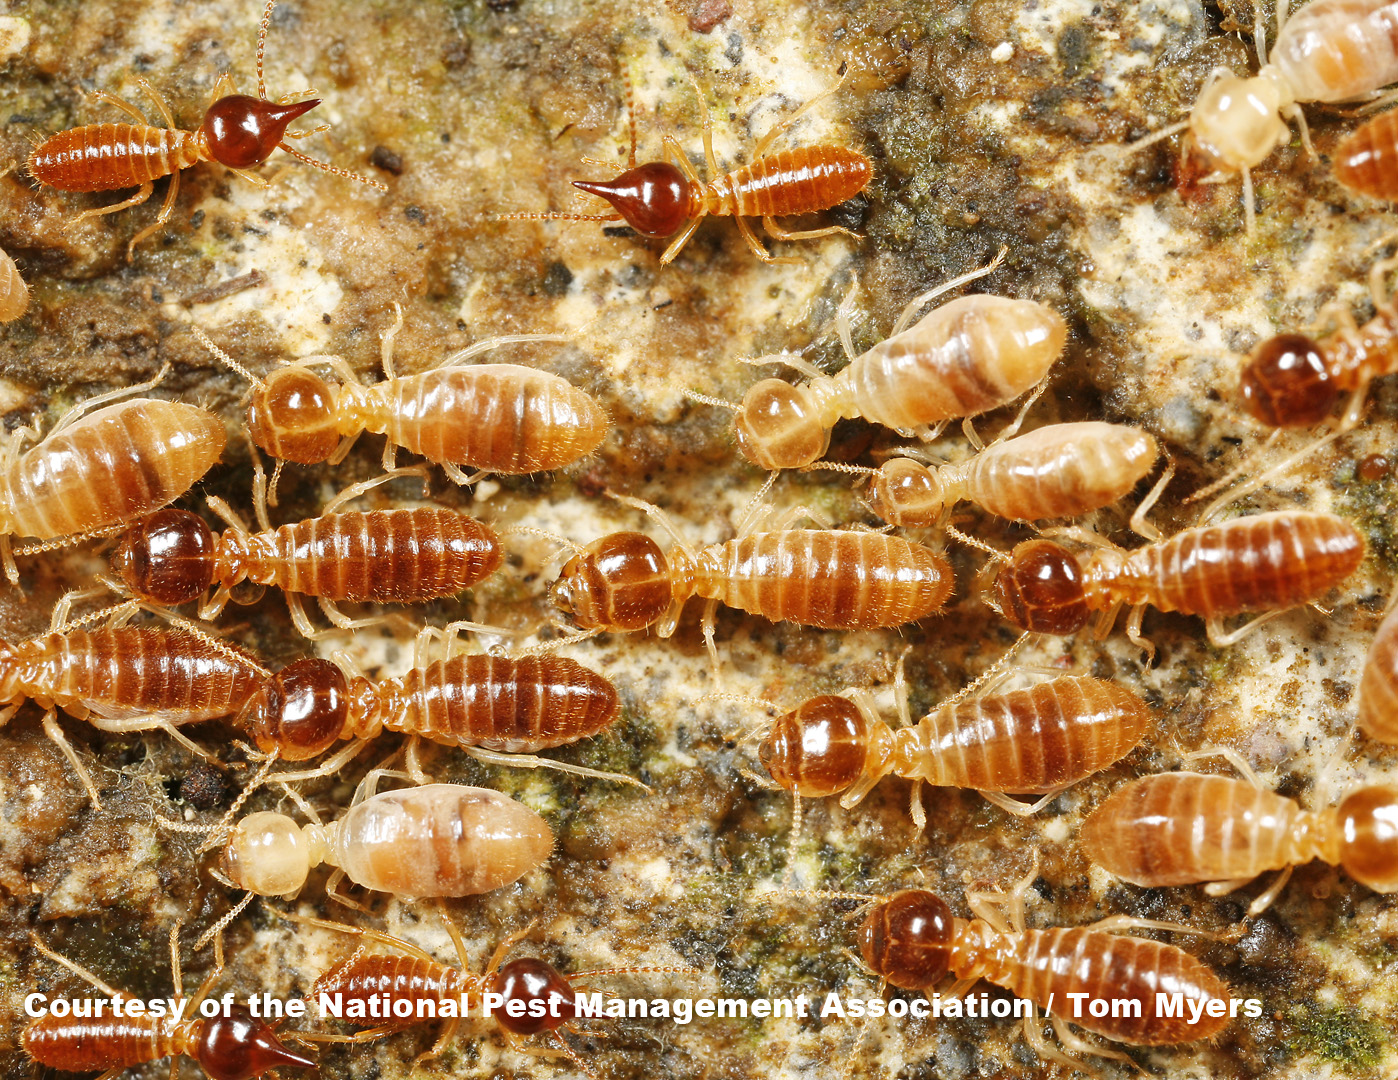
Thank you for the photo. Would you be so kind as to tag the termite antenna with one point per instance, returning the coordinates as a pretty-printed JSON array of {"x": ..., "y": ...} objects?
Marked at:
[
  {"x": 230, "y": 363},
  {"x": 333, "y": 170},
  {"x": 705, "y": 399},
  {"x": 213, "y": 933},
  {"x": 979, "y": 545}
]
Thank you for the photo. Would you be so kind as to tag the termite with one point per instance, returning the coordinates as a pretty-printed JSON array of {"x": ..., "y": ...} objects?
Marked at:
[
  {"x": 1036, "y": 741},
  {"x": 238, "y": 131},
  {"x": 101, "y": 468},
  {"x": 1062, "y": 470},
  {"x": 125, "y": 678},
  {"x": 502, "y": 418},
  {"x": 404, "y": 556},
  {"x": 912, "y": 941},
  {"x": 966, "y": 357},
  {"x": 14, "y": 293},
  {"x": 1329, "y": 51},
  {"x": 529, "y": 996},
  {"x": 1293, "y": 380},
  {"x": 661, "y": 198},
  {"x": 434, "y": 840},
  {"x": 1378, "y": 686},
  {"x": 832, "y": 579},
  {"x": 230, "y": 1044},
  {"x": 1185, "y": 827}
]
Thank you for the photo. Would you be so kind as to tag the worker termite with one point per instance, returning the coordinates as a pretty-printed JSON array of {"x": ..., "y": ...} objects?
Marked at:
[
  {"x": 238, "y": 131},
  {"x": 1292, "y": 380},
  {"x": 1329, "y": 51},
  {"x": 1366, "y": 160},
  {"x": 501, "y": 418},
  {"x": 912, "y": 941},
  {"x": 1378, "y": 686},
  {"x": 102, "y": 468},
  {"x": 125, "y": 678},
  {"x": 832, "y": 579},
  {"x": 403, "y": 556},
  {"x": 1181, "y": 828},
  {"x": 966, "y": 357},
  {"x": 527, "y": 996},
  {"x": 1062, "y": 470},
  {"x": 434, "y": 840},
  {"x": 661, "y": 198},
  {"x": 229, "y": 1043}
]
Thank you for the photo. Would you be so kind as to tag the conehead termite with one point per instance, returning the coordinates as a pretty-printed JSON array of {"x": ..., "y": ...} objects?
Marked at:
[
  {"x": 661, "y": 198},
  {"x": 238, "y": 131}
]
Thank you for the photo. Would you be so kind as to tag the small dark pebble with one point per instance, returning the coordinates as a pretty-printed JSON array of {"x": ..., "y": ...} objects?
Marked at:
[
  {"x": 385, "y": 159},
  {"x": 204, "y": 787}
]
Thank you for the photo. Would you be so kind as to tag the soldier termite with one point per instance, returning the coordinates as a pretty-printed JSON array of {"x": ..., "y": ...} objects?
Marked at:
[
  {"x": 230, "y": 1044},
  {"x": 1329, "y": 51},
  {"x": 103, "y": 468},
  {"x": 1181, "y": 828},
  {"x": 661, "y": 198},
  {"x": 501, "y": 418},
  {"x": 966, "y": 357},
  {"x": 402, "y": 556},
  {"x": 434, "y": 840},
  {"x": 238, "y": 131},
  {"x": 912, "y": 941},
  {"x": 543, "y": 997},
  {"x": 832, "y": 579},
  {"x": 1062, "y": 470},
  {"x": 1292, "y": 380}
]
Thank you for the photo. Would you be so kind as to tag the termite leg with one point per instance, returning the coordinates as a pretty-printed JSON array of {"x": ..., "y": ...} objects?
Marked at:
[
  {"x": 1046, "y": 1048},
  {"x": 119, "y": 103},
  {"x": 1076, "y": 1044},
  {"x": 1017, "y": 808},
  {"x": 55, "y": 734},
  {"x": 763, "y": 143},
  {"x": 1133, "y": 631},
  {"x": 146, "y": 190},
  {"x": 918, "y": 302},
  {"x": 1219, "y": 639},
  {"x": 161, "y": 105},
  {"x": 1139, "y": 524},
  {"x": 776, "y": 232},
  {"x": 756, "y": 245}
]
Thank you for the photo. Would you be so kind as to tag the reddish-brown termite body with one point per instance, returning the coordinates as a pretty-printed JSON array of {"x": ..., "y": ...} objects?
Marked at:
[
  {"x": 661, "y": 198},
  {"x": 14, "y": 293},
  {"x": 238, "y": 131},
  {"x": 1378, "y": 686}
]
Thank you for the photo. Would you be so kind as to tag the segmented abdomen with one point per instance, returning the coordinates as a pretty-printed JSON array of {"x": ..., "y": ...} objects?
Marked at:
[
  {"x": 1335, "y": 50},
  {"x": 1029, "y": 740},
  {"x": 402, "y": 978},
  {"x": 501, "y": 417},
  {"x": 1106, "y": 967},
  {"x": 100, "y": 157},
  {"x": 836, "y": 580},
  {"x": 1180, "y": 828},
  {"x": 77, "y": 1044},
  {"x": 132, "y": 671},
  {"x": 792, "y": 182},
  {"x": 504, "y": 704},
  {"x": 1367, "y": 159},
  {"x": 116, "y": 464},
  {"x": 388, "y": 556},
  {"x": 1259, "y": 563},
  {"x": 1378, "y": 688}
]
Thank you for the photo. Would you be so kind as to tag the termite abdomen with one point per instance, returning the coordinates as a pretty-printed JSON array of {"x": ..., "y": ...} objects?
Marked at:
[
  {"x": 401, "y": 978},
  {"x": 797, "y": 181},
  {"x": 1367, "y": 159}
]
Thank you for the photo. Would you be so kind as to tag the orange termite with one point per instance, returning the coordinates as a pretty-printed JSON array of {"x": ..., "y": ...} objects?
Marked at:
[
  {"x": 527, "y": 996},
  {"x": 14, "y": 293},
  {"x": 660, "y": 198},
  {"x": 1378, "y": 686},
  {"x": 1366, "y": 160},
  {"x": 230, "y": 1044},
  {"x": 238, "y": 131},
  {"x": 1181, "y": 828}
]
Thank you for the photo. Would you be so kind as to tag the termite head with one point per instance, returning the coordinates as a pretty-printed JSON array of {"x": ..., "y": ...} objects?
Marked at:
[
  {"x": 779, "y": 426},
  {"x": 653, "y": 198},
  {"x": 907, "y": 493},
  {"x": 300, "y": 711},
  {"x": 167, "y": 557},
  {"x": 1287, "y": 383},
  {"x": 1041, "y": 590},
  {"x": 292, "y": 416},
  {"x": 621, "y": 582},
  {"x": 242, "y": 131},
  {"x": 907, "y": 939},
  {"x": 1236, "y": 122},
  {"x": 235, "y": 1045},
  {"x": 530, "y": 980},
  {"x": 267, "y": 854},
  {"x": 817, "y": 749},
  {"x": 1368, "y": 822}
]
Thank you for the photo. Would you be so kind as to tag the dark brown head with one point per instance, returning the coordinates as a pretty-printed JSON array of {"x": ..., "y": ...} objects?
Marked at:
[
  {"x": 621, "y": 582},
  {"x": 1287, "y": 383},
  {"x": 1042, "y": 589},
  {"x": 653, "y": 198},
  {"x": 779, "y": 427},
  {"x": 817, "y": 749},
  {"x": 166, "y": 557},
  {"x": 1368, "y": 820},
  {"x": 240, "y": 1046},
  {"x": 300, "y": 711},
  {"x": 242, "y": 131},
  {"x": 292, "y": 416},
  {"x": 906, "y": 939},
  {"x": 546, "y": 995}
]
